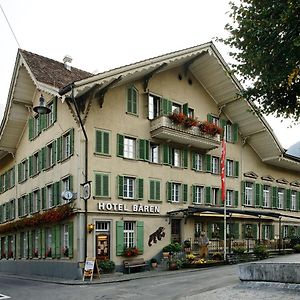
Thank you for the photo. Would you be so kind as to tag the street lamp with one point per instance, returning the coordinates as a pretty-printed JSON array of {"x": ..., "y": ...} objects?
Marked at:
[{"x": 42, "y": 109}]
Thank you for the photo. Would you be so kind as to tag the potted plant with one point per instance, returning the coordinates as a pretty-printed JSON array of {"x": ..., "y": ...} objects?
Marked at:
[
  {"x": 174, "y": 264},
  {"x": 177, "y": 118},
  {"x": 189, "y": 122},
  {"x": 210, "y": 128},
  {"x": 106, "y": 266},
  {"x": 187, "y": 246},
  {"x": 153, "y": 262},
  {"x": 166, "y": 251}
]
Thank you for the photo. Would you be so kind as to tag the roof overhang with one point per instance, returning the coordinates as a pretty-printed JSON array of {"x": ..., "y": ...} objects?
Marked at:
[{"x": 233, "y": 212}]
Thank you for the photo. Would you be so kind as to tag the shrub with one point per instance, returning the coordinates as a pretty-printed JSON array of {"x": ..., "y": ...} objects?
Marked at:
[
  {"x": 260, "y": 251},
  {"x": 106, "y": 266},
  {"x": 297, "y": 248},
  {"x": 294, "y": 241},
  {"x": 238, "y": 250},
  {"x": 153, "y": 260}
]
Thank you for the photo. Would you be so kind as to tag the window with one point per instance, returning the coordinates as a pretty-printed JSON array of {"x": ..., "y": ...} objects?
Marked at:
[
  {"x": 50, "y": 155},
  {"x": 229, "y": 198},
  {"x": 190, "y": 112},
  {"x": 102, "y": 185},
  {"x": 153, "y": 107},
  {"x": 229, "y": 167},
  {"x": 129, "y": 187},
  {"x": 175, "y": 194},
  {"x": 23, "y": 245},
  {"x": 285, "y": 231},
  {"x": 266, "y": 231},
  {"x": 249, "y": 194},
  {"x": 129, "y": 147},
  {"x": 176, "y": 157},
  {"x": 280, "y": 198},
  {"x": 215, "y": 120},
  {"x": 197, "y": 161},
  {"x": 35, "y": 243},
  {"x": 23, "y": 170},
  {"x": 215, "y": 196},
  {"x": 36, "y": 201},
  {"x": 215, "y": 230},
  {"x": 293, "y": 200},
  {"x": 198, "y": 228},
  {"x": 23, "y": 206},
  {"x": 102, "y": 142},
  {"x": 49, "y": 196},
  {"x": 176, "y": 108},
  {"x": 132, "y": 98},
  {"x": 37, "y": 128},
  {"x": 34, "y": 166},
  {"x": 266, "y": 196},
  {"x": 129, "y": 234},
  {"x": 67, "y": 144},
  {"x": 154, "y": 153},
  {"x": 65, "y": 240},
  {"x": 215, "y": 165},
  {"x": 51, "y": 117},
  {"x": 198, "y": 192},
  {"x": 154, "y": 190}
]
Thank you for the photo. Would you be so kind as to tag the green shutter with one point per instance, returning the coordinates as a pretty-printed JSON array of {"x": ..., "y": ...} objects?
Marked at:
[
  {"x": 19, "y": 174},
  {"x": 119, "y": 237},
  {"x": 57, "y": 241},
  {"x": 185, "y": 192},
  {"x": 258, "y": 195},
  {"x": 30, "y": 243},
  {"x": 105, "y": 139},
  {"x": 274, "y": 197},
  {"x": 54, "y": 110},
  {"x": 30, "y": 165},
  {"x": 193, "y": 160},
  {"x": 56, "y": 193},
  {"x": 235, "y": 132},
  {"x": 298, "y": 201},
  {"x": 53, "y": 242},
  {"x": 193, "y": 193},
  {"x": 254, "y": 230},
  {"x": 209, "y": 117},
  {"x": 152, "y": 190},
  {"x": 120, "y": 145},
  {"x": 208, "y": 162},
  {"x": 143, "y": 149},
  {"x": 140, "y": 188},
  {"x": 208, "y": 195},
  {"x": 185, "y": 109},
  {"x": 30, "y": 203},
  {"x": 54, "y": 152},
  {"x": 31, "y": 128},
  {"x": 120, "y": 186},
  {"x": 44, "y": 163},
  {"x": 72, "y": 141},
  {"x": 272, "y": 232},
  {"x": 43, "y": 198},
  {"x": 288, "y": 195},
  {"x": 236, "y": 198},
  {"x": 1, "y": 184},
  {"x": 38, "y": 205},
  {"x": 236, "y": 231},
  {"x": 157, "y": 190},
  {"x": 140, "y": 236},
  {"x": 185, "y": 158},
  {"x": 166, "y": 106},
  {"x": 223, "y": 124},
  {"x": 236, "y": 169},
  {"x": 43, "y": 243},
  {"x": 166, "y": 154},
  {"x": 71, "y": 239},
  {"x": 58, "y": 148},
  {"x": 102, "y": 142},
  {"x": 169, "y": 191},
  {"x": 98, "y": 184},
  {"x": 243, "y": 192}
]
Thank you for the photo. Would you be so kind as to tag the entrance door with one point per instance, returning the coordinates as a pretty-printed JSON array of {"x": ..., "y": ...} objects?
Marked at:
[
  {"x": 175, "y": 230},
  {"x": 102, "y": 233}
]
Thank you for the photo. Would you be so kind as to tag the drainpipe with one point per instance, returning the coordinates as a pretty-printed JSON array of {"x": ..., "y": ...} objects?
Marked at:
[{"x": 62, "y": 92}]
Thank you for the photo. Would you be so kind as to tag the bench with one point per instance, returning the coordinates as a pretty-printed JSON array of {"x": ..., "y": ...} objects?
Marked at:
[{"x": 134, "y": 263}]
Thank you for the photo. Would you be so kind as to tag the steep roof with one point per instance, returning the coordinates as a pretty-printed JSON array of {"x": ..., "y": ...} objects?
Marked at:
[{"x": 52, "y": 72}]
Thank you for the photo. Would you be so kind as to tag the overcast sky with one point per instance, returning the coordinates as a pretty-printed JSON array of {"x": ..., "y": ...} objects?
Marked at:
[{"x": 100, "y": 35}]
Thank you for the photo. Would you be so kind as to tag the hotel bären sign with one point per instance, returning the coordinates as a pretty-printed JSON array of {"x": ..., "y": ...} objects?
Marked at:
[{"x": 123, "y": 207}]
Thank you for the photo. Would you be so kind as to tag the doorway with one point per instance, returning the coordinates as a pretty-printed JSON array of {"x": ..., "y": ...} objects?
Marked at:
[
  {"x": 102, "y": 232},
  {"x": 176, "y": 230}
]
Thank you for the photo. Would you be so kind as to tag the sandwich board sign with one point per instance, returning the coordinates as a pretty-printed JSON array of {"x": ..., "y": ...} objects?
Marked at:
[{"x": 90, "y": 268}]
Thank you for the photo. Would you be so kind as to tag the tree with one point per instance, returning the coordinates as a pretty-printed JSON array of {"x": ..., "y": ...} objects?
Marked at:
[{"x": 265, "y": 36}]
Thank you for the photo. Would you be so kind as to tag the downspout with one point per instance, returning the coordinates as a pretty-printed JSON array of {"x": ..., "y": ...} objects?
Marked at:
[
  {"x": 62, "y": 92},
  {"x": 85, "y": 169}
]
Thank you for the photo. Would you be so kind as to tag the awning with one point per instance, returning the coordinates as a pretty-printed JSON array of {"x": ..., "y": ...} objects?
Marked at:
[{"x": 192, "y": 210}]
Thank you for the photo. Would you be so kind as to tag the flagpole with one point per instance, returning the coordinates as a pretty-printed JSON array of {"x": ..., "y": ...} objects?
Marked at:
[{"x": 223, "y": 189}]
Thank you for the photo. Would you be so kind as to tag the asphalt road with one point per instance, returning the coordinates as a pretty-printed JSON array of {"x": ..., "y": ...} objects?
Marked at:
[{"x": 177, "y": 285}]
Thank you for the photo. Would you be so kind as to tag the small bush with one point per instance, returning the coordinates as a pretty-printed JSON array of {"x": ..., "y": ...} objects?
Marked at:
[
  {"x": 238, "y": 250},
  {"x": 260, "y": 251},
  {"x": 106, "y": 266},
  {"x": 297, "y": 248},
  {"x": 294, "y": 241}
]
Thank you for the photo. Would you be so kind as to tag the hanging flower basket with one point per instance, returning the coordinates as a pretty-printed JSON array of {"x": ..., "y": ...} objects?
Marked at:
[{"x": 131, "y": 252}]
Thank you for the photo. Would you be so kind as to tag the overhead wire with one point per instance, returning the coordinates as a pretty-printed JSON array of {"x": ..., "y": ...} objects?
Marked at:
[{"x": 11, "y": 29}]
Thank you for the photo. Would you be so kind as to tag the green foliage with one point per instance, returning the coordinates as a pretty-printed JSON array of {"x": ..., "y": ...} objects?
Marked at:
[
  {"x": 294, "y": 241},
  {"x": 266, "y": 39},
  {"x": 260, "y": 251},
  {"x": 187, "y": 244},
  {"x": 153, "y": 260},
  {"x": 297, "y": 248},
  {"x": 106, "y": 266},
  {"x": 239, "y": 250},
  {"x": 173, "y": 247}
]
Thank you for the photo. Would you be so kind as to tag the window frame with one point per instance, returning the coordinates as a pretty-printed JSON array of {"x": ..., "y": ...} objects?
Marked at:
[
  {"x": 129, "y": 148},
  {"x": 249, "y": 193}
]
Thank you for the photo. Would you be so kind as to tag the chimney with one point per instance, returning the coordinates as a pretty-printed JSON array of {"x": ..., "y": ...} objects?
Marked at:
[{"x": 67, "y": 62}]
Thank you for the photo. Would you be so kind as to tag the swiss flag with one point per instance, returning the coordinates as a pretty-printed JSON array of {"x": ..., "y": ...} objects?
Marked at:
[{"x": 223, "y": 175}]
